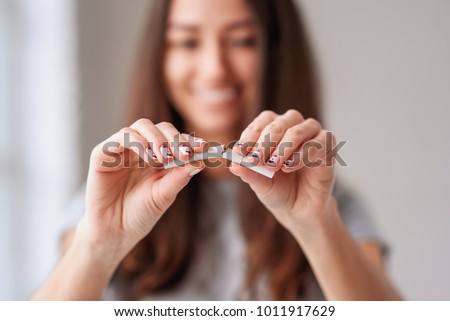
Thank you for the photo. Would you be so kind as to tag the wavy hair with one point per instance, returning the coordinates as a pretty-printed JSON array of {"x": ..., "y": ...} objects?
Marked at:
[{"x": 288, "y": 81}]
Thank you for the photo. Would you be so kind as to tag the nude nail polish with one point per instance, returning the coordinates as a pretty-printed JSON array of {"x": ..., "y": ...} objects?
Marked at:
[
  {"x": 256, "y": 154},
  {"x": 273, "y": 161},
  {"x": 184, "y": 150},
  {"x": 165, "y": 152},
  {"x": 151, "y": 154},
  {"x": 199, "y": 140},
  {"x": 288, "y": 163}
]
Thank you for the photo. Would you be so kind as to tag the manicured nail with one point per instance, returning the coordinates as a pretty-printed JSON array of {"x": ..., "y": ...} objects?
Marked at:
[
  {"x": 199, "y": 140},
  {"x": 184, "y": 150},
  {"x": 151, "y": 154},
  {"x": 165, "y": 151},
  {"x": 241, "y": 147},
  {"x": 288, "y": 163},
  {"x": 273, "y": 161},
  {"x": 196, "y": 171},
  {"x": 256, "y": 154}
]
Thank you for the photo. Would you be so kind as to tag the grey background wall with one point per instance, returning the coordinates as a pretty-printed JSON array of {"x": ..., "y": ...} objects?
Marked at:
[{"x": 385, "y": 72}]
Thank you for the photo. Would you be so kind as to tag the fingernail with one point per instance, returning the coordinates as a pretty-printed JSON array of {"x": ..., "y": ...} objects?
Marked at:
[
  {"x": 196, "y": 171},
  {"x": 288, "y": 163},
  {"x": 256, "y": 154},
  {"x": 241, "y": 147},
  {"x": 273, "y": 161},
  {"x": 199, "y": 140},
  {"x": 165, "y": 152},
  {"x": 184, "y": 150},
  {"x": 151, "y": 154}
]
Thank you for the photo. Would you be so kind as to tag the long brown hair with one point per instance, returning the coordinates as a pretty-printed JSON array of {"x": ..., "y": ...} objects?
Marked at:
[{"x": 161, "y": 259}]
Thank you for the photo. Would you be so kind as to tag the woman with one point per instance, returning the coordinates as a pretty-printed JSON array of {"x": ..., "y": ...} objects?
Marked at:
[{"x": 209, "y": 68}]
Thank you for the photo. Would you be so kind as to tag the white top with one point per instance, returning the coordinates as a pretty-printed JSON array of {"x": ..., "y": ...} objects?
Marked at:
[{"x": 218, "y": 267}]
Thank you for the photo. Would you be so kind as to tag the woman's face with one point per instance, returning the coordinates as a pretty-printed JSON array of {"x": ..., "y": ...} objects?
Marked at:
[{"x": 212, "y": 63}]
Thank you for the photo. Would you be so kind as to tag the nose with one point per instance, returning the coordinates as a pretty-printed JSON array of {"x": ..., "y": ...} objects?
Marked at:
[{"x": 213, "y": 67}]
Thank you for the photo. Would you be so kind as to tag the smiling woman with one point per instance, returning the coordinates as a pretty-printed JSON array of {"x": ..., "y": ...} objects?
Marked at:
[
  {"x": 222, "y": 71},
  {"x": 212, "y": 59}
]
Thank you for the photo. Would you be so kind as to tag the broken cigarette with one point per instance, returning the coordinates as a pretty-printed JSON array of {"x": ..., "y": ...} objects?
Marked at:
[{"x": 222, "y": 152}]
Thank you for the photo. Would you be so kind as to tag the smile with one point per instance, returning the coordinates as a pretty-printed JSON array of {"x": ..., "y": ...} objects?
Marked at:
[{"x": 216, "y": 96}]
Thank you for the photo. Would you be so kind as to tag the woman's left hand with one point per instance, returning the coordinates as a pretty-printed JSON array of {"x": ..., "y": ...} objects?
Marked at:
[{"x": 299, "y": 194}]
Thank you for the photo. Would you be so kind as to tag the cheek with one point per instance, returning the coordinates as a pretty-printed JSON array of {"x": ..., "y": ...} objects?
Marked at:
[
  {"x": 249, "y": 71},
  {"x": 247, "y": 68},
  {"x": 176, "y": 73}
]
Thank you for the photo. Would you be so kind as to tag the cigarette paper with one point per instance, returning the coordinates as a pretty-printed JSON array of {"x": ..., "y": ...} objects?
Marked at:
[
  {"x": 212, "y": 152},
  {"x": 221, "y": 151},
  {"x": 235, "y": 157}
]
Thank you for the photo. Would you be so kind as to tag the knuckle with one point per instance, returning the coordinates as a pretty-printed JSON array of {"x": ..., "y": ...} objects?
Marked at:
[
  {"x": 315, "y": 123},
  {"x": 125, "y": 130},
  {"x": 165, "y": 125},
  {"x": 142, "y": 122},
  {"x": 268, "y": 114},
  {"x": 295, "y": 114},
  {"x": 295, "y": 132},
  {"x": 274, "y": 128},
  {"x": 254, "y": 128}
]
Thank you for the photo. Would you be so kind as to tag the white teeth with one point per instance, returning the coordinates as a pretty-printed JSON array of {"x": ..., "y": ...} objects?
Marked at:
[{"x": 216, "y": 95}]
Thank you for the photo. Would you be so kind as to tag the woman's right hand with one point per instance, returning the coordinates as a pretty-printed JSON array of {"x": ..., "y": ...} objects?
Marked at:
[{"x": 124, "y": 198}]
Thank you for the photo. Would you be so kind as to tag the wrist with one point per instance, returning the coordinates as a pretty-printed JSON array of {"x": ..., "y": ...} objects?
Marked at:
[
  {"x": 321, "y": 223},
  {"x": 102, "y": 253}
]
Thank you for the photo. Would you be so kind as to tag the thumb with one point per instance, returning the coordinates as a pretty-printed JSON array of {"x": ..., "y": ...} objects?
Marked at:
[
  {"x": 177, "y": 178},
  {"x": 257, "y": 182}
]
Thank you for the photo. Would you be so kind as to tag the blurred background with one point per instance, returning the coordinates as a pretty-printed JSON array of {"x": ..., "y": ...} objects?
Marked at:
[{"x": 65, "y": 68}]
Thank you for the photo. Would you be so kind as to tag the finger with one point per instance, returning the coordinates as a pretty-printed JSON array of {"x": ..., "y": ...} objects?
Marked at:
[
  {"x": 271, "y": 136},
  {"x": 313, "y": 153},
  {"x": 293, "y": 138},
  {"x": 258, "y": 183},
  {"x": 174, "y": 181},
  {"x": 178, "y": 146},
  {"x": 197, "y": 144},
  {"x": 156, "y": 140},
  {"x": 123, "y": 148},
  {"x": 253, "y": 131}
]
